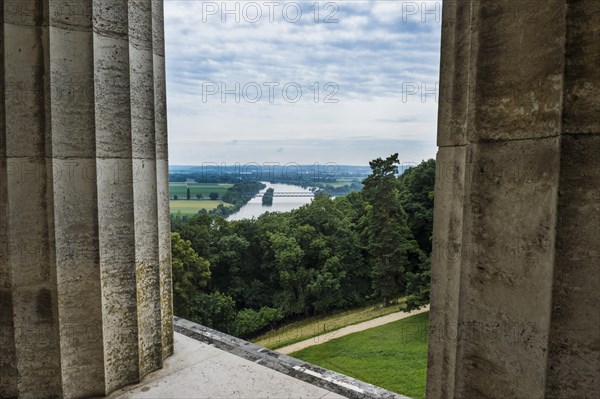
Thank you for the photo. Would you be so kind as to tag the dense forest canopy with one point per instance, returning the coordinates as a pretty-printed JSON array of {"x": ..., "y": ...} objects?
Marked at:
[{"x": 371, "y": 245}]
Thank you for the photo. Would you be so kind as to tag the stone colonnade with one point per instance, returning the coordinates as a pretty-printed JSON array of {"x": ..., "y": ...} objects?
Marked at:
[{"x": 85, "y": 268}]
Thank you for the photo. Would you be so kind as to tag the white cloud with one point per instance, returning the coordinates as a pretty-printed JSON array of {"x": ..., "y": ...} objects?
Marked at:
[{"x": 368, "y": 54}]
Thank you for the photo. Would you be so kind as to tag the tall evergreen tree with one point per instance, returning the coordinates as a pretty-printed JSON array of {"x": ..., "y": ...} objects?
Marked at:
[{"x": 390, "y": 241}]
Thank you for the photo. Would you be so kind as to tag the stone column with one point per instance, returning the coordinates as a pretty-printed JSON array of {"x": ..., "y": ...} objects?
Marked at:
[
  {"x": 85, "y": 280},
  {"x": 516, "y": 260}
]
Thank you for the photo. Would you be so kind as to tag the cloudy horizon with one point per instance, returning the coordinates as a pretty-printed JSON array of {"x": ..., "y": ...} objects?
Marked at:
[{"x": 305, "y": 82}]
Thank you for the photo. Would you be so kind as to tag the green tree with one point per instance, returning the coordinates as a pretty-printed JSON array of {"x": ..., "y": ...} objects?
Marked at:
[
  {"x": 418, "y": 284},
  {"x": 199, "y": 230},
  {"x": 214, "y": 196},
  {"x": 416, "y": 187},
  {"x": 190, "y": 274},
  {"x": 249, "y": 321},
  {"x": 215, "y": 310},
  {"x": 267, "y": 198},
  {"x": 390, "y": 241},
  {"x": 326, "y": 288},
  {"x": 189, "y": 194},
  {"x": 292, "y": 277},
  {"x": 228, "y": 263}
]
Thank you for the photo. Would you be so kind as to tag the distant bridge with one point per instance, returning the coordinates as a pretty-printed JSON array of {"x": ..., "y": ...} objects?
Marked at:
[{"x": 289, "y": 194}]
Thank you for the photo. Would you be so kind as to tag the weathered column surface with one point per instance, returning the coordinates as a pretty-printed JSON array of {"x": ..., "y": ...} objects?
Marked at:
[
  {"x": 85, "y": 280},
  {"x": 516, "y": 268}
]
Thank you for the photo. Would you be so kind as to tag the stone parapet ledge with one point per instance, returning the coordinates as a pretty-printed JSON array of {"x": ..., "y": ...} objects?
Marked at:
[{"x": 327, "y": 379}]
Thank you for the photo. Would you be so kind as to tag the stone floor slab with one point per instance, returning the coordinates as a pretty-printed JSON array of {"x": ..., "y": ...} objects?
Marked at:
[{"x": 198, "y": 370}]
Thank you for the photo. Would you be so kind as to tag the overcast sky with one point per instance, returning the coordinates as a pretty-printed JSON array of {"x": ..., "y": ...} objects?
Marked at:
[{"x": 307, "y": 82}]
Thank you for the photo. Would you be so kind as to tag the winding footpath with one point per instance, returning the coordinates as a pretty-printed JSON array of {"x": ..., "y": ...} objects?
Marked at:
[{"x": 365, "y": 325}]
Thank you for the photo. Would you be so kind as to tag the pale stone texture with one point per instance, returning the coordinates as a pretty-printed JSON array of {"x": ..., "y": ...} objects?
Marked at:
[
  {"x": 456, "y": 72},
  {"x": 198, "y": 370},
  {"x": 516, "y": 269},
  {"x": 162, "y": 175},
  {"x": 448, "y": 215},
  {"x": 85, "y": 284}
]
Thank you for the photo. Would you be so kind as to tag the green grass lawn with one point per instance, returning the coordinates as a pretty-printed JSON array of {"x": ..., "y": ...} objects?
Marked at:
[
  {"x": 193, "y": 206},
  {"x": 393, "y": 356},
  {"x": 180, "y": 189},
  {"x": 313, "y": 326}
]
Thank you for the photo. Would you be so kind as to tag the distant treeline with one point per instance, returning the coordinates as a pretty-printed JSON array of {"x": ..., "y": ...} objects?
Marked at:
[
  {"x": 326, "y": 178},
  {"x": 246, "y": 276},
  {"x": 212, "y": 172}
]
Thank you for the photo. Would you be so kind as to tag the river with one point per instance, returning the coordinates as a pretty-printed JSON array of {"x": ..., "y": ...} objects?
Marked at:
[{"x": 254, "y": 208}]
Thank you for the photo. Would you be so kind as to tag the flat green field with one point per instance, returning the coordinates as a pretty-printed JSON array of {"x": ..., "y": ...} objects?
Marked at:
[
  {"x": 393, "y": 356},
  {"x": 180, "y": 189},
  {"x": 193, "y": 206}
]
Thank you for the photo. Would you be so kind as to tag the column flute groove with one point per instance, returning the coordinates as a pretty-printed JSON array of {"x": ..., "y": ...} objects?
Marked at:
[{"x": 145, "y": 184}]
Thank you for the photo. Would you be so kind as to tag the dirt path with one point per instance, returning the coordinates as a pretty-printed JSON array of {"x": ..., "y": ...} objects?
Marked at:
[{"x": 365, "y": 325}]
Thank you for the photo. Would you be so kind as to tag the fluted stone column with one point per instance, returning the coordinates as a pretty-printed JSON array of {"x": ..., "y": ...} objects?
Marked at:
[
  {"x": 516, "y": 262},
  {"x": 85, "y": 269}
]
